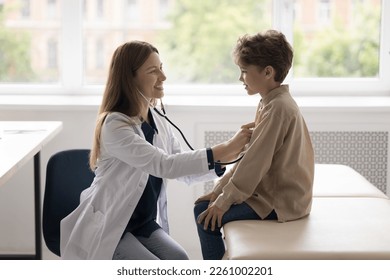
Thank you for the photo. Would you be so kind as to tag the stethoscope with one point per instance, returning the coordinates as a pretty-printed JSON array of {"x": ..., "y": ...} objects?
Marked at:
[{"x": 164, "y": 115}]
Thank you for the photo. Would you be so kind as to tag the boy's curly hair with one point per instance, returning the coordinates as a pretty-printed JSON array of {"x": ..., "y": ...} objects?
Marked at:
[{"x": 265, "y": 49}]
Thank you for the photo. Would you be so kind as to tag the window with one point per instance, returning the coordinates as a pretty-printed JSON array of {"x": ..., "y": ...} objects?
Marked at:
[
  {"x": 344, "y": 45},
  {"x": 132, "y": 10},
  {"x": 25, "y": 8},
  {"x": 52, "y": 58},
  {"x": 29, "y": 42},
  {"x": 99, "y": 54},
  {"x": 52, "y": 9},
  {"x": 324, "y": 11},
  {"x": 340, "y": 46},
  {"x": 163, "y": 9},
  {"x": 100, "y": 9},
  {"x": 196, "y": 43}
]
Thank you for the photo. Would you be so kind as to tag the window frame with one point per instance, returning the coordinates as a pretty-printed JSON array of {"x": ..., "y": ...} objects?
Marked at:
[
  {"x": 339, "y": 86},
  {"x": 71, "y": 74}
]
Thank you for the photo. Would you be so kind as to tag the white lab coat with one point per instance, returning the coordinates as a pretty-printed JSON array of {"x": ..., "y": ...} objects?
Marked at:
[{"x": 94, "y": 228}]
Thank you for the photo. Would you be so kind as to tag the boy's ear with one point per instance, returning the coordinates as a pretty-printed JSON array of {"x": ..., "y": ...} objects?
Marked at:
[{"x": 269, "y": 71}]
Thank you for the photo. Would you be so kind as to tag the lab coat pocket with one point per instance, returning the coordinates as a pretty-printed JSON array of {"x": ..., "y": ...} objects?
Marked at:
[{"x": 89, "y": 235}]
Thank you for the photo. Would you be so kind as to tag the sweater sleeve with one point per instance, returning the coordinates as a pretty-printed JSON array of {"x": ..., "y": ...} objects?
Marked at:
[{"x": 223, "y": 180}]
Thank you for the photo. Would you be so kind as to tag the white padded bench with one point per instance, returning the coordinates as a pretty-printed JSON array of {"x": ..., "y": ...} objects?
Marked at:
[
  {"x": 347, "y": 228},
  {"x": 350, "y": 219},
  {"x": 336, "y": 180}
]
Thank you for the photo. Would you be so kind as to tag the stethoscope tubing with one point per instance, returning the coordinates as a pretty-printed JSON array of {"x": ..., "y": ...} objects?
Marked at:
[{"x": 185, "y": 139}]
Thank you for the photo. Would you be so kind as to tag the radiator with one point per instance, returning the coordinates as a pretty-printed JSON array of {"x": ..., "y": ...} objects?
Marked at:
[{"x": 364, "y": 151}]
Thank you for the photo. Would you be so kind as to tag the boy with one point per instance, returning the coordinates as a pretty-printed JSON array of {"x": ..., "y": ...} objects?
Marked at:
[{"x": 274, "y": 179}]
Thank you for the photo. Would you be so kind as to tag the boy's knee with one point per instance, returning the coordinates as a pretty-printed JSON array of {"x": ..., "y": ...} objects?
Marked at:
[{"x": 200, "y": 207}]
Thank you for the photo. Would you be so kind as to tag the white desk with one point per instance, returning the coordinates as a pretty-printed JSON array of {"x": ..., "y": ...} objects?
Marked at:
[{"x": 20, "y": 141}]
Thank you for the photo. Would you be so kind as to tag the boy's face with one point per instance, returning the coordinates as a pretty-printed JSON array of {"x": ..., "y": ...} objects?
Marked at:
[{"x": 255, "y": 80}]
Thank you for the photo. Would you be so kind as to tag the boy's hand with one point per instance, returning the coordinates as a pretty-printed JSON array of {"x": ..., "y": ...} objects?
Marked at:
[
  {"x": 207, "y": 197},
  {"x": 211, "y": 215}
]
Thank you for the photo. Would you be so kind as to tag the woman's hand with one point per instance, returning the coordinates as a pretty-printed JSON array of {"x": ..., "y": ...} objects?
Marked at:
[
  {"x": 230, "y": 149},
  {"x": 241, "y": 138}
]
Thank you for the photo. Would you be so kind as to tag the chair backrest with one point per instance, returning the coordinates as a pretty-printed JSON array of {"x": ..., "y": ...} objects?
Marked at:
[{"x": 67, "y": 175}]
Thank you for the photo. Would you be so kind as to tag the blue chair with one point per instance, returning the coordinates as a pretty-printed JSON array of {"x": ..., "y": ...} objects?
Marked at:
[{"x": 67, "y": 175}]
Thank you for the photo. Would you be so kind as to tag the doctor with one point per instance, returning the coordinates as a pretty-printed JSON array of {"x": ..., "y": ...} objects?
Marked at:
[{"x": 123, "y": 214}]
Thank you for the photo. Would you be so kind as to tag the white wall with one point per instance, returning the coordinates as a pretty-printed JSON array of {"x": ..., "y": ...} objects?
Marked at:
[{"x": 16, "y": 196}]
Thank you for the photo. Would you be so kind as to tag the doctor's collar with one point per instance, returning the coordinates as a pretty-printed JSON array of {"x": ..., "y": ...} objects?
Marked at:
[{"x": 151, "y": 123}]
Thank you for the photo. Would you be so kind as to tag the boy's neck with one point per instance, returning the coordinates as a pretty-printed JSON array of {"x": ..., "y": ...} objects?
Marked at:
[{"x": 273, "y": 85}]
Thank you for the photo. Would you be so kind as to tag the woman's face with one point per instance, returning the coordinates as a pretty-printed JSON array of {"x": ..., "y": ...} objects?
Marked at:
[{"x": 149, "y": 77}]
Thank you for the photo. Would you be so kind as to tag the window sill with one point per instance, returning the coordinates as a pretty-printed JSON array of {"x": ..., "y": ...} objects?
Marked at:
[
  {"x": 92, "y": 102},
  {"x": 49, "y": 102}
]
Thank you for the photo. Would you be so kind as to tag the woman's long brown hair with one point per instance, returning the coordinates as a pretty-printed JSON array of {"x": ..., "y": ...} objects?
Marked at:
[{"x": 120, "y": 94}]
